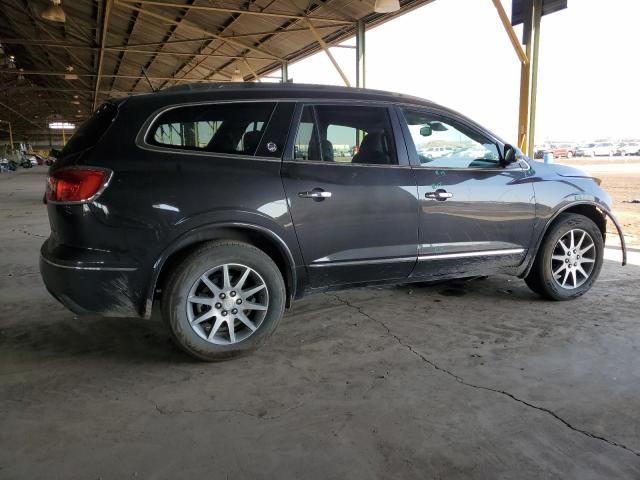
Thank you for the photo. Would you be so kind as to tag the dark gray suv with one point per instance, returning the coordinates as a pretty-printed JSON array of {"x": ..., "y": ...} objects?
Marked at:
[{"x": 224, "y": 203}]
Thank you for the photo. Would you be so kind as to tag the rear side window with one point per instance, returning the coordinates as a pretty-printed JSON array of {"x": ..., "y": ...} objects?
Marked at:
[
  {"x": 345, "y": 134},
  {"x": 229, "y": 128},
  {"x": 90, "y": 131}
]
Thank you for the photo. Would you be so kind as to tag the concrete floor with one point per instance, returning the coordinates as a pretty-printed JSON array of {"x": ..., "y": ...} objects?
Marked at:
[{"x": 472, "y": 380}]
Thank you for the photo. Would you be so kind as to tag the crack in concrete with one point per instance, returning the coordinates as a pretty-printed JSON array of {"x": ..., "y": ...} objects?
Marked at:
[
  {"x": 26, "y": 232},
  {"x": 164, "y": 411},
  {"x": 461, "y": 380}
]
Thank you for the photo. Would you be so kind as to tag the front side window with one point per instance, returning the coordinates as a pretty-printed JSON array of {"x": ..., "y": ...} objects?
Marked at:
[
  {"x": 446, "y": 143},
  {"x": 345, "y": 134},
  {"x": 230, "y": 128}
]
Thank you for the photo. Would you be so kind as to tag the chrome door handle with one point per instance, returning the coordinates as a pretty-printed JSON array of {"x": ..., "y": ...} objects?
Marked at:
[
  {"x": 315, "y": 194},
  {"x": 439, "y": 194}
]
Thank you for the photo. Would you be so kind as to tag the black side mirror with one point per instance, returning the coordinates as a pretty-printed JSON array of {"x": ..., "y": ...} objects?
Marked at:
[
  {"x": 55, "y": 153},
  {"x": 510, "y": 155}
]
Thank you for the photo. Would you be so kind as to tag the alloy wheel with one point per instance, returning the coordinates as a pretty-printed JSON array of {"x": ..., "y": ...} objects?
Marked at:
[
  {"x": 573, "y": 259},
  {"x": 227, "y": 304}
]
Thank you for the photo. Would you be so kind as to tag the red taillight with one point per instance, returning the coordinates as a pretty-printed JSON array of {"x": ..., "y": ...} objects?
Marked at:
[{"x": 75, "y": 184}]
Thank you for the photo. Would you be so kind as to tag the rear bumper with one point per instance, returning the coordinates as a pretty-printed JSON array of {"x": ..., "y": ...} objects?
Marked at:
[{"x": 87, "y": 288}]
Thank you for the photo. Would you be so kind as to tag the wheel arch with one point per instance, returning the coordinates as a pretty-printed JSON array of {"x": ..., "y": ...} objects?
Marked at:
[
  {"x": 258, "y": 236},
  {"x": 596, "y": 212}
]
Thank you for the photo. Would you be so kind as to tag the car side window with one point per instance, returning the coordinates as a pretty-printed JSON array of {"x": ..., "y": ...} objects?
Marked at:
[
  {"x": 229, "y": 128},
  {"x": 446, "y": 143},
  {"x": 345, "y": 134}
]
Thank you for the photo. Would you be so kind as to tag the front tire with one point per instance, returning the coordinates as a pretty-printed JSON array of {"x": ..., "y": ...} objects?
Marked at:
[
  {"x": 225, "y": 299},
  {"x": 569, "y": 259}
]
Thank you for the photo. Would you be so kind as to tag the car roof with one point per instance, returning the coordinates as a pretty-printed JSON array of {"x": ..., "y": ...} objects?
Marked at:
[{"x": 251, "y": 90}]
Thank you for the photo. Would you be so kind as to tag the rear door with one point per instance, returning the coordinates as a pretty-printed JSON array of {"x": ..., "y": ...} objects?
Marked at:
[
  {"x": 476, "y": 216},
  {"x": 352, "y": 194}
]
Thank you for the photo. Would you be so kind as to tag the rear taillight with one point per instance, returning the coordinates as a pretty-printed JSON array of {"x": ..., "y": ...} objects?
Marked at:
[{"x": 76, "y": 184}]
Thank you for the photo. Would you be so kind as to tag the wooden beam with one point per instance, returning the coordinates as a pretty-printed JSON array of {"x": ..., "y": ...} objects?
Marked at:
[
  {"x": 19, "y": 114},
  {"x": 103, "y": 41},
  {"x": 240, "y": 11},
  {"x": 183, "y": 54},
  {"x": 253, "y": 72},
  {"x": 196, "y": 27},
  {"x": 44, "y": 43},
  {"x": 324, "y": 47},
  {"x": 510, "y": 32},
  {"x": 47, "y": 73}
]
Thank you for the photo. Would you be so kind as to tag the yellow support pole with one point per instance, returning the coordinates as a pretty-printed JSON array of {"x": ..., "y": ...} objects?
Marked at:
[
  {"x": 537, "y": 15},
  {"x": 523, "y": 110},
  {"x": 525, "y": 74},
  {"x": 10, "y": 136}
]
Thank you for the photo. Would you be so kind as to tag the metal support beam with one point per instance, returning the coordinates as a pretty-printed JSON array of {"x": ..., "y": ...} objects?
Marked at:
[
  {"x": 285, "y": 72},
  {"x": 537, "y": 16},
  {"x": 360, "y": 55},
  {"x": 103, "y": 42},
  {"x": 324, "y": 47}
]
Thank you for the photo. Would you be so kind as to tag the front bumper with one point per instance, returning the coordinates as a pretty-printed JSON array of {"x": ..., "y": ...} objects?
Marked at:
[{"x": 87, "y": 288}]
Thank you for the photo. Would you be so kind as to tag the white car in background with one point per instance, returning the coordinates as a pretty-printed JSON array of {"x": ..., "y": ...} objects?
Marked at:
[
  {"x": 596, "y": 149},
  {"x": 632, "y": 148},
  {"x": 436, "y": 152}
]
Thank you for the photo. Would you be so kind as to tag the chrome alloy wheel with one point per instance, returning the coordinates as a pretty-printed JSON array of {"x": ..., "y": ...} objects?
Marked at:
[
  {"x": 227, "y": 304},
  {"x": 573, "y": 259}
]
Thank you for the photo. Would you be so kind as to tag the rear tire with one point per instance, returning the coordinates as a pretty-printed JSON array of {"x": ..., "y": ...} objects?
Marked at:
[
  {"x": 569, "y": 259},
  {"x": 205, "y": 297}
]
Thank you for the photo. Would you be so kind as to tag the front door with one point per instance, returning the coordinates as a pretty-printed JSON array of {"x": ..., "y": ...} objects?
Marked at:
[
  {"x": 476, "y": 216},
  {"x": 352, "y": 194}
]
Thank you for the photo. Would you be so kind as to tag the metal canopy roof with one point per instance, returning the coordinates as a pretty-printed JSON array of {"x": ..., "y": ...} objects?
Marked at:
[{"x": 107, "y": 43}]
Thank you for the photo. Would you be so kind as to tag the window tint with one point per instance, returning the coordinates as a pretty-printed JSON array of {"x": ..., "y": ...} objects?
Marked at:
[
  {"x": 222, "y": 128},
  {"x": 446, "y": 143},
  {"x": 345, "y": 134}
]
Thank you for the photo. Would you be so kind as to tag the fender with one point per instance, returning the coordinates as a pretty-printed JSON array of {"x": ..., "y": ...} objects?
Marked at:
[
  {"x": 600, "y": 207},
  {"x": 206, "y": 232}
]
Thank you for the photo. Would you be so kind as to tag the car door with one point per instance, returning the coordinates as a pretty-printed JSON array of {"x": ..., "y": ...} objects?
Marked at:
[
  {"x": 476, "y": 216},
  {"x": 352, "y": 194}
]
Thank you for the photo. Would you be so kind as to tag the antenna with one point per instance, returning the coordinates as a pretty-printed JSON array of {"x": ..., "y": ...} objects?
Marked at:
[{"x": 146, "y": 75}]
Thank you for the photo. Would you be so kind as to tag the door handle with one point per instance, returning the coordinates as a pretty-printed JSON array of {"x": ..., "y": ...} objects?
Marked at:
[
  {"x": 317, "y": 194},
  {"x": 439, "y": 194}
]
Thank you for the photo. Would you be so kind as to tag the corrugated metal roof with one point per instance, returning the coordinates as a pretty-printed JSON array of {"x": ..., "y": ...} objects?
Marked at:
[{"x": 176, "y": 41}]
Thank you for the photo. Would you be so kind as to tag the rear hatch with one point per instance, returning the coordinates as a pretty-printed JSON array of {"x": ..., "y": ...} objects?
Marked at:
[{"x": 89, "y": 133}]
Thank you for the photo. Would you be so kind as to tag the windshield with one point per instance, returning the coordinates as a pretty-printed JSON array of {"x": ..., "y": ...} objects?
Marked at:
[{"x": 90, "y": 131}]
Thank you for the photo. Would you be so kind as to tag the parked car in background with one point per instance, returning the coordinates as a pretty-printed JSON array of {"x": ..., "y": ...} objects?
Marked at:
[
  {"x": 562, "y": 150},
  {"x": 628, "y": 149},
  {"x": 27, "y": 161},
  {"x": 223, "y": 203},
  {"x": 435, "y": 152},
  {"x": 597, "y": 149}
]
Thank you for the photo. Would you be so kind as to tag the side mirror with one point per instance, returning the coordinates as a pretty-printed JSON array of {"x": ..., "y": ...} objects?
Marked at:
[
  {"x": 510, "y": 155},
  {"x": 425, "y": 131},
  {"x": 54, "y": 153}
]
